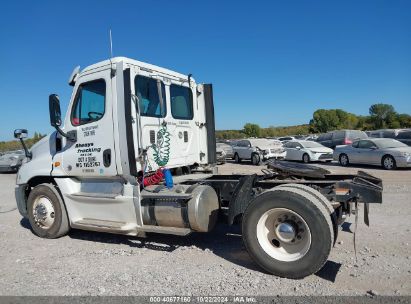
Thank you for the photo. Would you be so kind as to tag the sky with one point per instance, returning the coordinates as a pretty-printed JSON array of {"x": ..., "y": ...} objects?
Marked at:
[{"x": 271, "y": 62}]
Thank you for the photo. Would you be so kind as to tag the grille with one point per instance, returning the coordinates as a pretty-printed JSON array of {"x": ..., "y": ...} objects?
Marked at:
[{"x": 328, "y": 155}]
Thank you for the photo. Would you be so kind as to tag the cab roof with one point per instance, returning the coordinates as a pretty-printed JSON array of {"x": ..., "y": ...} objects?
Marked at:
[{"x": 129, "y": 61}]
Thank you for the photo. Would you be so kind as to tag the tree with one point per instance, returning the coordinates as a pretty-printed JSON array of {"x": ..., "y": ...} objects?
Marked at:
[
  {"x": 382, "y": 115},
  {"x": 325, "y": 120},
  {"x": 252, "y": 130}
]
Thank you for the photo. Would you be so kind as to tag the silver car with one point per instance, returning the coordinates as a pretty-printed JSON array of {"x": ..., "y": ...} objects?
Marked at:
[
  {"x": 11, "y": 161},
  {"x": 386, "y": 152}
]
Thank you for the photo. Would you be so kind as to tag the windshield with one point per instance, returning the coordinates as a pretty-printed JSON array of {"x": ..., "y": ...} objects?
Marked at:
[
  {"x": 312, "y": 144},
  {"x": 389, "y": 143}
]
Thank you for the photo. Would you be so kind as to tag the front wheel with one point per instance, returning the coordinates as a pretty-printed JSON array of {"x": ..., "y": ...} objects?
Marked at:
[
  {"x": 306, "y": 158},
  {"x": 237, "y": 158},
  {"x": 46, "y": 212},
  {"x": 343, "y": 159},
  {"x": 288, "y": 232},
  {"x": 388, "y": 162},
  {"x": 255, "y": 159}
]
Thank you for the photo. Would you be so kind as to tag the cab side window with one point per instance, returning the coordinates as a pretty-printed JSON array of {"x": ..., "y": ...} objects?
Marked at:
[
  {"x": 181, "y": 99},
  {"x": 89, "y": 103},
  {"x": 149, "y": 99}
]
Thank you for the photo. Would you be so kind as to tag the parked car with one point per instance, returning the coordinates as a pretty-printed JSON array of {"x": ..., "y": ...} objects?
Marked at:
[
  {"x": 285, "y": 139},
  {"x": 341, "y": 137},
  {"x": 384, "y": 133},
  {"x": 257, "y": 150},
  {"x": 306, "y": 151},
  {"x": 386, "y": 152},
  {"x": 228, "y": 150},
  {"x": 11, "y": 161},
  {"x": 404, "y": 137},
  {"x": 220, "y": 155}
]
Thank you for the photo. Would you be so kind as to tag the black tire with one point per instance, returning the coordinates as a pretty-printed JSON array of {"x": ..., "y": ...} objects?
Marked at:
[
  {"x": 237, "y": 158},
  {"x": 60, "y": 225},
  {"x": 306, "y": 158},
  {"x": 323, "y": 200},
  {"x": 255, "y": 159},
  {"x": 388, "y": 162},
  {"x": 314, "y": 214},
  {"x": 344, "y": 160}
]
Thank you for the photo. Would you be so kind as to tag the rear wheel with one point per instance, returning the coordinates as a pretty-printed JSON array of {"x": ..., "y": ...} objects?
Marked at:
[
  {"x": 237, "y": 158},
  {"x": 255, "y": 159},
  {"x": 306, "y": 158},
  {"x": 388, "y": 162},
  {"x": 344, "y": 161},
  {"x": 288, "y": 232},
  {"x": 46, "y": 212}
]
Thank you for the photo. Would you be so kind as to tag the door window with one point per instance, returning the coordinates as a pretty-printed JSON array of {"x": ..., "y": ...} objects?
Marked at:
[
  {"x": 89, "y": 103},
  {"x": 366, "y": 144},
  {"x": 149, "y": 99},
  {"x": 181, "y": 102}
]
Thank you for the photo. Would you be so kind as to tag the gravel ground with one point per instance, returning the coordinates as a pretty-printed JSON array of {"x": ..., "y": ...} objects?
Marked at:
[{"x": 87, "y": 263}]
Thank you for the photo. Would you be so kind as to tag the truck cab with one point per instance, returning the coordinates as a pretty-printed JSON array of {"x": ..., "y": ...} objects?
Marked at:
[{"x": 125, "y": 120}]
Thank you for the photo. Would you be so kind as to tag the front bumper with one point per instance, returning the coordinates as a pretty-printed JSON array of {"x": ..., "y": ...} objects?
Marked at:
[
  {"x": 268, "y": 156},
  {"x": 21, "y": 199},
  {"x": 322, "y": 156},
  {"x": 403, "y": 161}
]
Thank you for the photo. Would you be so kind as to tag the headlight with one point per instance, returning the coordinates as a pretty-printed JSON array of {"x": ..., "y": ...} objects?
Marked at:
[{"x": 405, "y": 154}]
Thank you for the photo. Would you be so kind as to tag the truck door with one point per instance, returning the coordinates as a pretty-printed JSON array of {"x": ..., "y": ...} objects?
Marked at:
[{"x": 90, "y": 114}]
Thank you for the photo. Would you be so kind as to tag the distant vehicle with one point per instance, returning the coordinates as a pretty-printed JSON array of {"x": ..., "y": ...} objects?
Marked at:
[
  {"x": 341, "y": 137},
  {"x": 306, "y": 151},
  {"x": 285, "y": 139},
  {"x": 404, "y": 137},
  {"x": 220, "y": 156},
  {"x": 11, "y": 161},
  {"x": 386, "y": 152},
  {"x": 384, "y": 133},
  {"x": 312, "y": 138},
  {"x": 227, "y": 149},
  {"x": 258, "y": 149}
]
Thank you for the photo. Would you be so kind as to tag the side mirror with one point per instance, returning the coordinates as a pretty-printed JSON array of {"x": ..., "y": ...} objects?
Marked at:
[
  {"x": 374, "y": 148},
  {"x": 298, "y": 148},
  {"x": 20, "y": 133},
  {"x": 54, "y": 109}
]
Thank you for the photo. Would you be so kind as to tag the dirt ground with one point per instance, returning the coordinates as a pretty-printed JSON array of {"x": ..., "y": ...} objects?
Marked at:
[{"x": 87, "y": 263}]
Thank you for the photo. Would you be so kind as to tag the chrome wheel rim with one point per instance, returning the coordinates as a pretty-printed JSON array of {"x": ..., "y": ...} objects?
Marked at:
[
  {"x": 388, "y": 163},
  {"x": 283, "y": 235},
  {"x": 43, "y": 212}
]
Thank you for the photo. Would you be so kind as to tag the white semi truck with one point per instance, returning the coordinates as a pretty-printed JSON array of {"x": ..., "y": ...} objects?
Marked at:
[{"x": 126, "y": 121}]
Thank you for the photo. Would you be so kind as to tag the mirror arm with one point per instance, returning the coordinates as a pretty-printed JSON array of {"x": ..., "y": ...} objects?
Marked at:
[
  {"x": 71, "y": 135},
  {"x": 26, "y": 151}
]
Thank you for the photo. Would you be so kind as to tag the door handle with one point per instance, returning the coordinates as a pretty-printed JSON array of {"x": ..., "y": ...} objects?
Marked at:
[{"x": 107, "y": 158}]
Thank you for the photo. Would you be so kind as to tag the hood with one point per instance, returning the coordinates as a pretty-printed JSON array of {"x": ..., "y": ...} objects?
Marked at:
[{"x": 320, "y": 150}]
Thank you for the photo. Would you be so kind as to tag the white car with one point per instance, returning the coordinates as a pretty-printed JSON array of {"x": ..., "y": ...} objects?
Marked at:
[
  {"x": 257, "y": 150},
  {"x": 306, "y": 151}
]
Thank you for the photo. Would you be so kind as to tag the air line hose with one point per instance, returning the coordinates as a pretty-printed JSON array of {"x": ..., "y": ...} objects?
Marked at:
[{"x": 161, "y": 149}]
